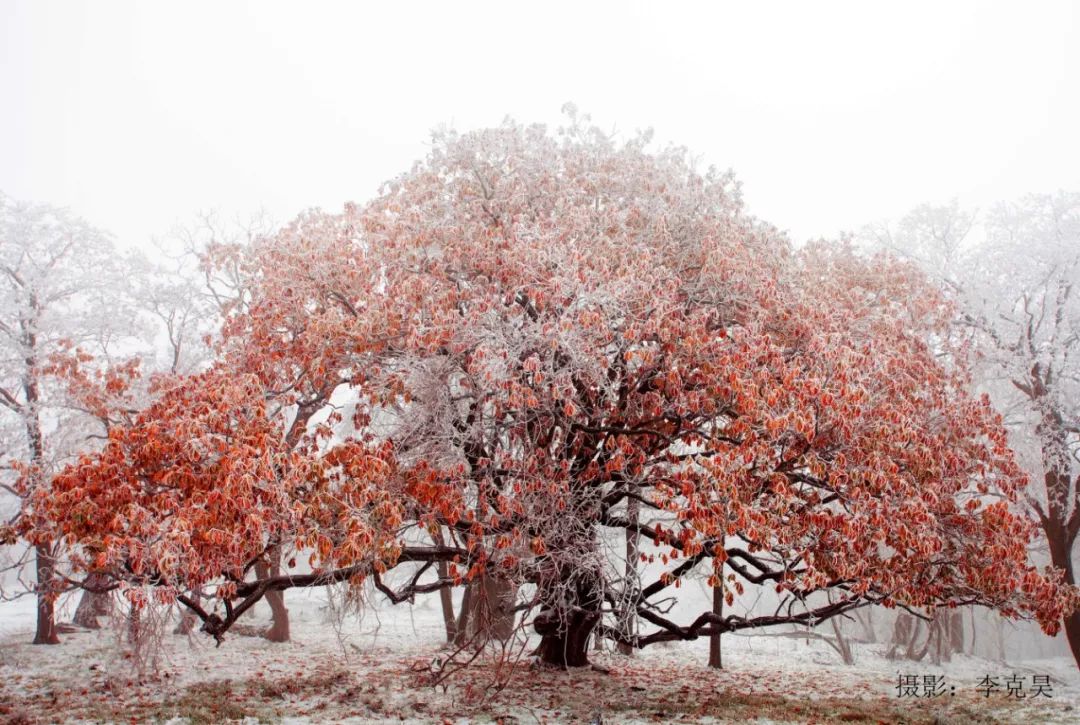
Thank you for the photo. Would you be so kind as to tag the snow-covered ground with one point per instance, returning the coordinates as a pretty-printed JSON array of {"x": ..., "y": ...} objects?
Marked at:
[{"x": 378, "y": 668}]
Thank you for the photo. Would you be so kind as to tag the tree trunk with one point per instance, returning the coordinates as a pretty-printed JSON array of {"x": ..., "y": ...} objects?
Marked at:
[
  {"x": 842, "y": 644},
  {"x": 1061, "y": 543},
  {"x": 999, "y": 630},
  {"x": 971, "y": 639},
  {"x": 446, "y": 597},
  {"x": 715, "y": 660},
  {"x": 45, "y": 564},
  {"x": 484, "y": 617},
  {"x": 93, "y": 604},
  {"x": 446, "y": 601},
  {"x": 956, "y": 631},
  {"x": 491, "y": 619},
  {"x": 565, "y": 644},
  {"x": 1071, "y": 622},
  {"x": 188, "y": 618},
  {"x": 46, "y": 596},
  {"x": 940, "y": 637},
  {"x": 1059, "y": 524},
  {"x": 906, "y": 634},
  {"x": 566, "y": 625},
  {"x": 279, "y": 626},
  {"x": 628, "y": 625},
  {"x": 462, "y": 626},
  {"x": 134, "y": 625},
  {"x": 866, "y": 620},
  {"x": 900, "y": 633},
  {"x": 1072, "y": 634}
]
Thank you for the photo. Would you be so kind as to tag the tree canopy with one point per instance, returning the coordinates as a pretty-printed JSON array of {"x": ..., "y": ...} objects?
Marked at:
[{"x": 531, "y": 343}]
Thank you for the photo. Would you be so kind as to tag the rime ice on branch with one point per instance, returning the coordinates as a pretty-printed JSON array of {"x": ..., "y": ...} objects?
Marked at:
[{"x": 528, "y": 342}]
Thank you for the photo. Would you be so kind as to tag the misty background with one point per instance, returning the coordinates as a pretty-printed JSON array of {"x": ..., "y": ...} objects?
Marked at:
[{"x": 137, "y": 115}]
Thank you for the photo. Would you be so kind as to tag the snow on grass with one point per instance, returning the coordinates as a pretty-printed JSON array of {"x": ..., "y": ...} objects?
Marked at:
[{"x": 378, "y": 669}]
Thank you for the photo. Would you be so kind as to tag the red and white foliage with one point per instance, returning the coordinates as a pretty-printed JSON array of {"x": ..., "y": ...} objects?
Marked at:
[
  {"x": 1013, "y": 273},
  {"x": 526, "y": 333}
]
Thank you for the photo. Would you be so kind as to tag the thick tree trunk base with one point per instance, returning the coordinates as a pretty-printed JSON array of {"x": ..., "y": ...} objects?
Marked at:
[
  {"x": 564, "y": 645},
  {"x": 279, "y": 630},
  {"x": 93, "y": 604},
  {"x": 48, "y": 636},
  {"x": 85, "y": 617}
]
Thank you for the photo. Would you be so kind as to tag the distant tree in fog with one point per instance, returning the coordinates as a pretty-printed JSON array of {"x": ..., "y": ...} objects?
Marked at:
[
  {"x": 1015, "y": 274},
  {"x": 62, "y": 288}
]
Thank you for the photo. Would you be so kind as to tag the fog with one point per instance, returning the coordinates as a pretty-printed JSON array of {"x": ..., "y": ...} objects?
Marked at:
[{"x": 137, "y": 115}]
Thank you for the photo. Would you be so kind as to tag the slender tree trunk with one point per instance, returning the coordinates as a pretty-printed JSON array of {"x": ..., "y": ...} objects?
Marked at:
[
  {"x": 901, "y": 632},
  {"x": 446, "y": 601},
  {"x": 866, "y": 619},
  {"x": 842, "y": 644},
  {"x": 999, "y": 630},
  {"x": 45, "y": 632},
  {"x": 462, "y": 627},
  {"x": 45, "y": 564},
  {"x": 715, "y": 659},
  {"x": 134, "y": 625},
  {"x": 629, "y": 621},
  {"x": 956, "y": 631},
  {"x": 941, "y": 637},
  {"x": 279, "y": 625},
  {"x": 971, "y": 639},
  {"x": 446, "y": 597}
]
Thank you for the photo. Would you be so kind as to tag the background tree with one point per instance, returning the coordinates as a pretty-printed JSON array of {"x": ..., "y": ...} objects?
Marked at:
[
  {"x": 180, "y": 300},
  {"x": 521, "y": 336},
  {"x": 1014, "y": 275},
  {"x": 61, "y": 285}
]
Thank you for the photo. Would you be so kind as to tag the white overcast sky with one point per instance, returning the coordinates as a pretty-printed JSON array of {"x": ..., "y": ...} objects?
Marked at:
[{"x": 137, "y": 115}]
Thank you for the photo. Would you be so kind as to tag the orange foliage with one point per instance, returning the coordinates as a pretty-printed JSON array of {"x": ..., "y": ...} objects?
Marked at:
[{"x": 526, "y": 331}]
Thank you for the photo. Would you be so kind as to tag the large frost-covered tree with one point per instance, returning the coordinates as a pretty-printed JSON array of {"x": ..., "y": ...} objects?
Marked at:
[
  {"x": 1014, "y": 275},
  {"x": 530, "y": 343}
]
